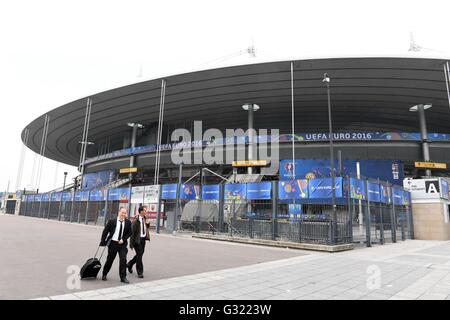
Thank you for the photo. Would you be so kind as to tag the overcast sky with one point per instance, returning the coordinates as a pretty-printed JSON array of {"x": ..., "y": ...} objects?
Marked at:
[{"x": 53, "y": 52}]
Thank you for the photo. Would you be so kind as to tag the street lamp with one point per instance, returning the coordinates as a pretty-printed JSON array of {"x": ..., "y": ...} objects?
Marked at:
[
  {"x": 86, "y": 143},
  {"x": 133, "y": 124},
  {"x": 251, "y": 108},
  {"x": 64, "y": 184},
  {"x": 326, "y": 80},
  {"x": 135, "y": 127}
]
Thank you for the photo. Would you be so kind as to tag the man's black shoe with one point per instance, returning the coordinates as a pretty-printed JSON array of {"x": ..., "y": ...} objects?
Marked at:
[
  {"x": 124, "y": 280},
  {"x": 104, "y": 277},
  {"x": 140, "y": 275},
  {"x": 130, "y": 268}
]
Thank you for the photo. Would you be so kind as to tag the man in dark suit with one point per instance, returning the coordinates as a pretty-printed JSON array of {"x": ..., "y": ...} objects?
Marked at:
[
  {"x": 139, "y": 234},
  {"x": 116, "y": 233}
]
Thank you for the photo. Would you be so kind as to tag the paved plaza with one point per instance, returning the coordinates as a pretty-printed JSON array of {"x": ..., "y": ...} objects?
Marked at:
[
  {"x": 185, "y": 268},
  {"x": 39, "y": 257},
  {"x": 408, "y": 270}
]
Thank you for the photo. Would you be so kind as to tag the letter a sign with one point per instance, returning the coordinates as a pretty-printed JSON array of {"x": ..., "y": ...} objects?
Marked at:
[{"x": 432, "y": 186}]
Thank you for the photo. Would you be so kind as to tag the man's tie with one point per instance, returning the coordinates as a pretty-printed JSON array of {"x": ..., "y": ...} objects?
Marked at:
[{"x": 120, "y": 231}]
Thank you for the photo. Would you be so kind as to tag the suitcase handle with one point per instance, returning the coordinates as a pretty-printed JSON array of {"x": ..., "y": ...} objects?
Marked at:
[{"x": 103, "y": 251}]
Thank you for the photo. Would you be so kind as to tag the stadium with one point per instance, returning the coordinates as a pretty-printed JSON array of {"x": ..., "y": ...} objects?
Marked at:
[{"x": 375, "y": 133}]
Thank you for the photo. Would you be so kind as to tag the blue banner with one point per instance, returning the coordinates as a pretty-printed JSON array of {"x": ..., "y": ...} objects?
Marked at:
[
  {"x": 357, "y": 189},
  {"x": 385, "y": 170},
  {"x": 398, "y": 195},
  {"x": 97, "y": 195},
  {"x": 98, "y": 179},
  {"x": 189, "y": 192},
  {"x": 210, "y": 192},
  {"x": 236, "y": 191},
  {"x": 295, "y": 212},
  {"x": 444, "y": 189},
  {"x": 259, "y": 191},
  {"x": 30, "y": 198},
  {"x": 293, "y": 189},
  {"x": 113, "y": 194},
  {"x": 385, "y": 194},
  {"x": 84, "y": 196},
  {"x": 56, "y": 196},
  {"x": 406, "y": 198},
  {"x": 67, "y": 196},
  {"x": 124, "y": 194},
  {"x": 374, "y": 192},
  {"x": 46, "y": 197},
  {"x": 364, "y": 136},
  {"x": 169, "y": 191},
  {"x": 321, "y": 188},
  {"x": 77, "y": 196}
]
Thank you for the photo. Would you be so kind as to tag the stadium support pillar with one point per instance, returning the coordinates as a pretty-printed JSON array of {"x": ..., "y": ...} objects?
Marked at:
[
  {"x": 424, "y": 135},
  {"x": 420, "y": 109},
  {"x": 84, "y": 142},
  {"x": 409, "y": 219},
  {"x": 447, "y": 80},
  {"x": 326, "y": 80}
]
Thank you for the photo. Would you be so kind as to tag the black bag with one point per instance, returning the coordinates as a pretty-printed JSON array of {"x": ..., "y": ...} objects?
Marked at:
[{"x": 92, "y": 266}]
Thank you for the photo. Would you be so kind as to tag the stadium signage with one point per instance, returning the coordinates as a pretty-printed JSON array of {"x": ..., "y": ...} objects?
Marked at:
[
  {"x": 433, "y": 188},
  {"x": 128, "y": 170},
  {"x": 341, "y": 136},
  {"x": 430, "y": 165},
  {"x": 250, "y": 163}
]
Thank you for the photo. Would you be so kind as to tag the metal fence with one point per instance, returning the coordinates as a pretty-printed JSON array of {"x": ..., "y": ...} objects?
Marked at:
[{"x": 352, "y": 219}]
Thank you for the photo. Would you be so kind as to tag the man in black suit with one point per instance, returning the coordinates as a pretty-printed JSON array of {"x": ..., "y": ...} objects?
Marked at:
[
  {"x": 139, "y": 234},
  {"x": 116, "y": 232}
]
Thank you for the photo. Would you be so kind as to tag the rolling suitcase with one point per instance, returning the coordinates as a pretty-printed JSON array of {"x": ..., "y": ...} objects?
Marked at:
[{"x": 92, "y": 266}]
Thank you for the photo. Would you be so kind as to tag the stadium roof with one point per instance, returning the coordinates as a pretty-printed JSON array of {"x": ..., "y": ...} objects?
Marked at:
[{"x": 367, "y": 94}]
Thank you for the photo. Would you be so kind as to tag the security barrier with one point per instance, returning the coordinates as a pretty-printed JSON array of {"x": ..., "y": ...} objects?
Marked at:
[{"x": 298, "y": 210}]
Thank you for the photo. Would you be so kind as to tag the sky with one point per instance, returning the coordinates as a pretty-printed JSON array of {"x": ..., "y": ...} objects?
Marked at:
[{"x": 54, "y": 52}]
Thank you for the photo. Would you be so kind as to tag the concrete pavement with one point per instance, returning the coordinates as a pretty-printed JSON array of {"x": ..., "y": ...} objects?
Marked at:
[
  {"x": 41, "y": 257},
  {"x": 413, "y": 269},
  {"x": 37, "y": 253}
]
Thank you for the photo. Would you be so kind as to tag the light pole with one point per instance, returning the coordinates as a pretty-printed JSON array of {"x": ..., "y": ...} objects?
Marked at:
[
  {"x": 87, "y": 143},
  {"x": 64, "y": 184},
  {"x": 135, "y": 127},
  {"x": 326, "y": 80},
  {"x": 251, "y": 108}
]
